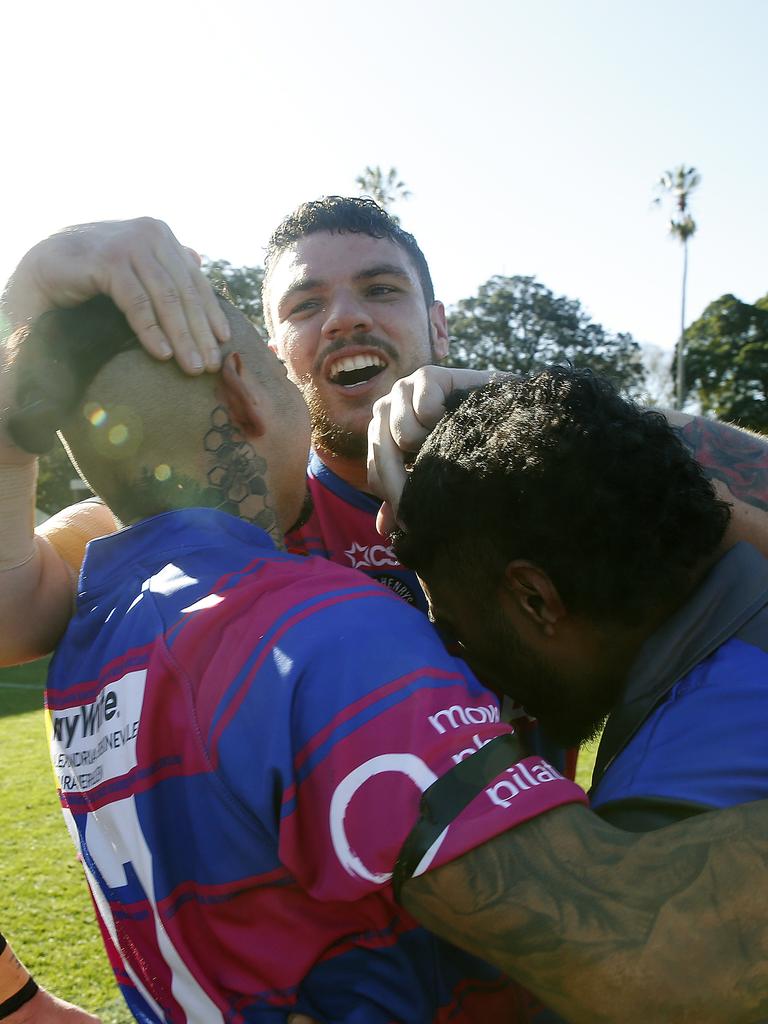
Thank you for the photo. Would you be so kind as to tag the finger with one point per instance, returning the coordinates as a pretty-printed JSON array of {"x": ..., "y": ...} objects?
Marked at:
[
  {"x": 212, "y": 307},
  {"x": 431, "y": 387},
  {"x": 184, "y": 264},
  {"x": 201, "y": 314},
  {"x": 385, "y": 520},
  {"x": 404, "y": 426},
  {"x": 386, "y": 470},
  {"x": 216, "y": 318},
  {"x": 193, "y": 255},
  {"x": 148, "y": 296},
  {"x": 133, "y": 299}
]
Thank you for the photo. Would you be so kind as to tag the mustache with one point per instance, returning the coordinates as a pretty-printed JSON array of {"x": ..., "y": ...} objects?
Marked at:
[{"x": 367, "y": 340}]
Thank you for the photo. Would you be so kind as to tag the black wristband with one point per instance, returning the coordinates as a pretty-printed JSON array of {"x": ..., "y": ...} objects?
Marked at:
[
  {"x": 25, "y": 993},
  {"x": 3, "y": 942}
]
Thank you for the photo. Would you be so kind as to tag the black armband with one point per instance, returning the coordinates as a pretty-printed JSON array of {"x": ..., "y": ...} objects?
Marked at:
[{"x": 447, "y": 797}]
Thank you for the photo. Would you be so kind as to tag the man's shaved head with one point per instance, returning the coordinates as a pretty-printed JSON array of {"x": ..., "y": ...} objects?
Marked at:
[{"x": 149, "y": 438}]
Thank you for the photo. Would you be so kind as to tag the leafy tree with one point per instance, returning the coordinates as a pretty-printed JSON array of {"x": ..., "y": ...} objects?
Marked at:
[
  {"x": 242, "y": 285},
  {"x": 518, "y": 324},
  {"x": 659, "y": 386},
  {"x": 386, "y": 188},
  {"x": 727, "y": 360},
  {"x": 678, "y": 185}
]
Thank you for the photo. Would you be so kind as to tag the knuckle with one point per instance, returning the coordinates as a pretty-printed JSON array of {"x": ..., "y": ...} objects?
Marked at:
[
  {"x": 140, "y": 302},
  {"x": 170, "y": 296},
  {"x": 150, "y": 224}
]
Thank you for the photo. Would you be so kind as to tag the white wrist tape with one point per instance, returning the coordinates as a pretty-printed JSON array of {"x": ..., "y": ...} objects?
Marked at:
[{"x": 17, "y": 514}]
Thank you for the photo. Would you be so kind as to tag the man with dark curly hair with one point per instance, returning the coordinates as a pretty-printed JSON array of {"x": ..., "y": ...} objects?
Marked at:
[{"x": 570, "y": 542}]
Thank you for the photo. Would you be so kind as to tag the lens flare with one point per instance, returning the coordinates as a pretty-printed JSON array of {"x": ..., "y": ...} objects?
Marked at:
[
  {"x": 95, "y": 414},
  {"x": 118, "y": 434}
]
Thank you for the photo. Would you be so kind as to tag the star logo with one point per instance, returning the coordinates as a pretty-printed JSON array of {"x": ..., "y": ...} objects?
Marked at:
[{"x": 358, "y": 556}]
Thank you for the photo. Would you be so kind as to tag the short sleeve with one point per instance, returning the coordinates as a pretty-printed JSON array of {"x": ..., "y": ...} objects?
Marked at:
[{"x": 380, "y": 711}]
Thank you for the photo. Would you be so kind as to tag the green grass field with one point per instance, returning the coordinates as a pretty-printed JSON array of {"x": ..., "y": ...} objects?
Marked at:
[{"x": 46, "y": 910}]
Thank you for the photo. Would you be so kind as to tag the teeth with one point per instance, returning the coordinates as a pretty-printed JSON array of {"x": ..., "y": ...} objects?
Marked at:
[{"x": 348, "y": 363}]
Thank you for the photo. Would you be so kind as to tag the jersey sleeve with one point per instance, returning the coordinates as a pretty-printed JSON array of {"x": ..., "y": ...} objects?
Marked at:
[{"x": 380, "y": 711}]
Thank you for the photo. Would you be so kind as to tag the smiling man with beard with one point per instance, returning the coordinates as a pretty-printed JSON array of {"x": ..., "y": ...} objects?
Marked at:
[{"x": 350, "y": 308}]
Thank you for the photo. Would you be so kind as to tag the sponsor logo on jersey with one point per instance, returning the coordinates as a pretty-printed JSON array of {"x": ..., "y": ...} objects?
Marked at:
[
  {"x": 373, "y": 556},
  {"x": 94, "y": 742},
  {"x": 457, "y": 716},
  {"x": 521, "y": 777},
  {"x": 403, "y": 764}
]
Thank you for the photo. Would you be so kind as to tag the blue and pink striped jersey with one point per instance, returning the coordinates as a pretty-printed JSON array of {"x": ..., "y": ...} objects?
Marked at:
[
  {"x": 240, "y": 739},
  {"x": 342, "y": 529}
]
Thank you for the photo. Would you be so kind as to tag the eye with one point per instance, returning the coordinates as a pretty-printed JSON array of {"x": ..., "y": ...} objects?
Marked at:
[
  {"x": 379, "y": 290},
  {"x": 307, "y": 306}
]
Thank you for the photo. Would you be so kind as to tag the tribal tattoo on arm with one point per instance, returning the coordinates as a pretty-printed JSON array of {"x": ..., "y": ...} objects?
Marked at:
[
  {"x": 604, "y": 925},
  {"x": 734, "y": 457}
]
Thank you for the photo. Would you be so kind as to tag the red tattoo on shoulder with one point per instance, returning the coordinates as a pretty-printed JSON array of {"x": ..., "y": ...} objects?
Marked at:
[{"x": 737, "y": 459}]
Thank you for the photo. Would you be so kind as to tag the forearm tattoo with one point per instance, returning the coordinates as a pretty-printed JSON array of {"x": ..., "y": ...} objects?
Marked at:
[
  {"x": 609, "y": 926},
  {"x": 238, "y": 473},
  {"x": 736, "y": 458}
]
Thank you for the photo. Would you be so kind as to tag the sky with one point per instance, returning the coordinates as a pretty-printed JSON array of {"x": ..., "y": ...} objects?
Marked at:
[{"x": 530, "y": 132}]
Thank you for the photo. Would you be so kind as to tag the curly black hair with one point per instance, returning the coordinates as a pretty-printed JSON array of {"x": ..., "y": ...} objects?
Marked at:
[
  {"x": 557, "y": 468},
  {"x": 342, "y": 214}
]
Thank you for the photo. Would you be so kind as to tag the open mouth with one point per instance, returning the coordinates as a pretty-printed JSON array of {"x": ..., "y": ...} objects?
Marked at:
[{"x": 351, "y": 371}]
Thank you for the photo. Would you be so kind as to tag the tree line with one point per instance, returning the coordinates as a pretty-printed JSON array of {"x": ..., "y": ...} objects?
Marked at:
[{"x": 518, "y": 324}]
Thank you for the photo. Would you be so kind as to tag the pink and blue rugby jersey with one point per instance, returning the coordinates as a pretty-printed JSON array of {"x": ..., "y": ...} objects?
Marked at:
[
  {"x": 342, "y": 528},
  {"x": 240, "y": 750}
]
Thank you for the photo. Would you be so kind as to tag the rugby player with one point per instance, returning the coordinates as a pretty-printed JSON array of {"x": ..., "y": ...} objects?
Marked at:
[
  {"x": 205, "y": 661},
  {"x": 350, "y": 308},
  {"x": 628, "y": 605}
]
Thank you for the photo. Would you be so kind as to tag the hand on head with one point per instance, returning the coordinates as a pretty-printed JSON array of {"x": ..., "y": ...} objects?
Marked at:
[
  {"x": 401, "y": 422},
  {"x": 153, "y": 279}
]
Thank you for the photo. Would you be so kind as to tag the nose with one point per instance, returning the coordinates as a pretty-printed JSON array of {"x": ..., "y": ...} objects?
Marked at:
[{"x": 346, "y": 314}]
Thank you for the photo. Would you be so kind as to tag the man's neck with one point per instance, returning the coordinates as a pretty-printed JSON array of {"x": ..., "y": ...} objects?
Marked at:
[{"x": 351, "y": 470}]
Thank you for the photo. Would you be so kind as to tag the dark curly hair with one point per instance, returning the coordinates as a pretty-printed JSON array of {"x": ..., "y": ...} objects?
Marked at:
[
  {"x": 342, "y": 214},
  {"x": 557, "y": 468}
]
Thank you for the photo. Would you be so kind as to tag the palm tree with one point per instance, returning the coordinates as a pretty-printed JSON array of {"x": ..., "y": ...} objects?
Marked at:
[
  {"x": 386, "y": 189},
  {"x": 678, "y": 185}
]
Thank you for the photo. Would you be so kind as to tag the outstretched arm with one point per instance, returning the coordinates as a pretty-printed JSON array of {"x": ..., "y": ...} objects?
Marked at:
[
  {"x": 153, "y": 279},
  {"x": 735, "y": 460},
  {"x": 604, "y": 925},
  {"x": 159, "y": 286}
]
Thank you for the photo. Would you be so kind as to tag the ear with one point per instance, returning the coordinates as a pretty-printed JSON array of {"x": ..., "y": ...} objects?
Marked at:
[
  {"x": 240, "y": 392},
  {"x": 439, "y": 328},
  {"x": 530, "y": 594}
]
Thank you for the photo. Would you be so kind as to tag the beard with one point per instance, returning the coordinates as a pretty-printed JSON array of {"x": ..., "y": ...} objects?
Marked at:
[
  {"x": 330, "y": 436},
  {"x": 570, "y": 706}
]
